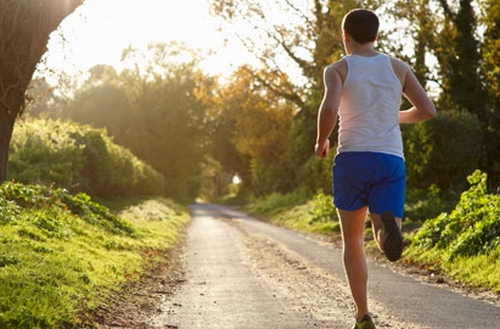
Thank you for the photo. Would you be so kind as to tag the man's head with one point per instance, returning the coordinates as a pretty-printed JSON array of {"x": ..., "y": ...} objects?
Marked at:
[{"x": 362, "y": 25}]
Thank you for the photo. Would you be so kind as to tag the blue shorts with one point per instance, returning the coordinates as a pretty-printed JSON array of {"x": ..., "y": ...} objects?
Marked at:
[{"x": 372, "y": 179}]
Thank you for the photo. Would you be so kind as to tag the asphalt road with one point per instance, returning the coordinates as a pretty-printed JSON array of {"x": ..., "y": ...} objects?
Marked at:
[{"x": 243, "y": 273}]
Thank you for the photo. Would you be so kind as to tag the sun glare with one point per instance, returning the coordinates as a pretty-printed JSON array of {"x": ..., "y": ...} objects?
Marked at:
[{"x": 99, "y": 31}]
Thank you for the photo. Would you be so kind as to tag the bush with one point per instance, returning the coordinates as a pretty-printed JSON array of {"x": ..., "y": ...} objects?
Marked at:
[
  {"x": 444, "y": 150},
  {"x": 112, "y": 170},
  {"x": 322, "y": 209},
  {"x": 46, "y": 152},
  {"x": 80, "y": 159},
  {"x": 316, "y": 174}
]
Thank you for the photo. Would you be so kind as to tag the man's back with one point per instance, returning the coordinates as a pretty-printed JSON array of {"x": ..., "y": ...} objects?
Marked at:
[{"x": 369, "y": 106}]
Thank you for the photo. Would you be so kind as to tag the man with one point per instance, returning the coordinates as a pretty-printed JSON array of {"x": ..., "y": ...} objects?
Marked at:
[{"x": 364, "y": 90}]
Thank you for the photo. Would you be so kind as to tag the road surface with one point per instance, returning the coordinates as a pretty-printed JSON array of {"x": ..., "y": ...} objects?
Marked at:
[{"x": 242, "y": 273}]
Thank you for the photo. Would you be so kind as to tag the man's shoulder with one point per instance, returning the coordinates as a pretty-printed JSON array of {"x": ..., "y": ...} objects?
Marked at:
[
  {"x": 341, "y": 63},
  {"x": 399, "y": 64},
  {"x": 401, "y": 69},
  {"x": 338, "y": 67}
]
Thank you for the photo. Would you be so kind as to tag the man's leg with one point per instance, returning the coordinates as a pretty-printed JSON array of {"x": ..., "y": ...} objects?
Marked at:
[{"x": 353, "y": 224}]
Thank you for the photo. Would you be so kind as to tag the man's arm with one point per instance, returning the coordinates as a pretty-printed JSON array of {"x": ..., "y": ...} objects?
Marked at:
[
  {"x": 328, "y": 110},
  {"x": 423, "y": 107}
]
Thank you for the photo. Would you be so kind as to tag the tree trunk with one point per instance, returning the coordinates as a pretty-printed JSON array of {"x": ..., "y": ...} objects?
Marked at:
[
  {"x": 25, "y": 26},
  {"x": 6, "y": 127}
]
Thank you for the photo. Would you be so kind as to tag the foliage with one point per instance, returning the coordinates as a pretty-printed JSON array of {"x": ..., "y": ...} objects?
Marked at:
[
  {"x": 434, "y": 154},
  {"x": 111, "y": 170},
  {"x": 491, "y": 56},
  {"x": 25, "y": 28},
  {"x": 16, "y": 197},
  {"x": 254, "y": 125},
  {"x": 316, "y": 174},
  {"x": 322, "y": 209},
  {"x": 46, "y": 152},
  {"x": 422, "y": 204},
  {"x": 455, "y": 50},
  {"x": 471, "y": 230},
  {"x": 274, "y": 203},
  {"x": 491, "y": 69},
  {"x": 298, "y": 210},
  {"x": 249, "y": 128},
  {"x": 61, "y": 255},
  {"x": 308, "y": 39},
  {"x": 152, "y": 110},
  {"x": 78, "y": 158}
]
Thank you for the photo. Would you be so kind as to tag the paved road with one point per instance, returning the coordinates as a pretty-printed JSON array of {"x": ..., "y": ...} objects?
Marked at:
[{"x": 243, "y": 273}]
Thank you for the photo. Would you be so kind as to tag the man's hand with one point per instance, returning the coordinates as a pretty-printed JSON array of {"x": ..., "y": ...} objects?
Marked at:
[{"x": 322, "y": 150}]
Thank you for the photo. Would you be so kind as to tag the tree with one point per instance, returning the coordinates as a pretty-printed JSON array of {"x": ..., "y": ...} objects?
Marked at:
[
  {"x": 251, "y": 126},
  {"x": 463, "y": 36},
  {"x": 463, "y": 81},
  {"x": 491, "y": 69},
  {"x": 25, "y": 26},
  {"x": 153, "y": 111},
  {"x": 491, "y": 46},
  {"x": 308, "y": 39}
]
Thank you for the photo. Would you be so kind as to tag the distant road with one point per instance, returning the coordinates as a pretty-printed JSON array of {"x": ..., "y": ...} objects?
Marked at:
[{"x": 242, "y": 273}]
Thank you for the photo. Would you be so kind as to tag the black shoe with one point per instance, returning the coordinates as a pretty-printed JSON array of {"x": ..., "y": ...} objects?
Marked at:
[{"x": 393, "y": 240}]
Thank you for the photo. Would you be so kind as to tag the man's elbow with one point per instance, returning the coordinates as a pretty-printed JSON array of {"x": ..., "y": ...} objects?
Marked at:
[
  {"x": 428, "y": 112},
  {"x": 431, "y": 112}
]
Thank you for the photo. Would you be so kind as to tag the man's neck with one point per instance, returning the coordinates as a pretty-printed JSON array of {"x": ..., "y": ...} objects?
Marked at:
[{"x": 365, "y": 50}]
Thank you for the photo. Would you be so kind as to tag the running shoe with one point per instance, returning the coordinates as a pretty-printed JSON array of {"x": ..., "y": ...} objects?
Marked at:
[
  {"x": 365, "y": 323},
  {"x": 393, "y": 240}
]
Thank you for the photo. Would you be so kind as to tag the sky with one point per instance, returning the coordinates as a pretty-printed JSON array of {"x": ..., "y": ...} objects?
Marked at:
[{"x": 99, "y": 30}]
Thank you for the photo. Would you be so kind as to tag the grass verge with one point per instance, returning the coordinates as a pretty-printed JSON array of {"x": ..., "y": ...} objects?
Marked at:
[{"x": 61, "y": 254}]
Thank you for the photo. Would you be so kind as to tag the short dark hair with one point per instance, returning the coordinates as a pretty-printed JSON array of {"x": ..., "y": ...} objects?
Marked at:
[{"x": 362, "y": 25}]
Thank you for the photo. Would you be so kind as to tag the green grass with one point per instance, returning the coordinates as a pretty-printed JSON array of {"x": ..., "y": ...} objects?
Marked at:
[{"x": 61, "y": 255}]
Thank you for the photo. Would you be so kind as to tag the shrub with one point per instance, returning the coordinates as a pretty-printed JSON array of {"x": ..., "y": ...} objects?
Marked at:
[
  {"x": 46, "y": 152},
  {"x": 435, "y": 155},
  {"x": 80, "y": 159},
  {"x": 322, "y": 209}
]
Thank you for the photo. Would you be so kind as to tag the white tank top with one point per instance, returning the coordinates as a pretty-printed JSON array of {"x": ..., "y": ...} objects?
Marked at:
[{"x": 369, "y": 107}]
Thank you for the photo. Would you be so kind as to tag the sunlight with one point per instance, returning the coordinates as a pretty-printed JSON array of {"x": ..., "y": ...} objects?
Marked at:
[
  {"x": 236, "y": 180},
  {"x": 100, "y": 30}
]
